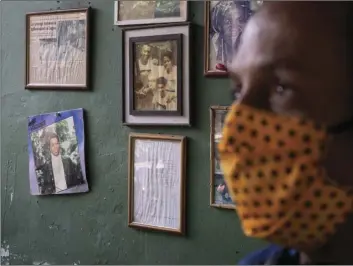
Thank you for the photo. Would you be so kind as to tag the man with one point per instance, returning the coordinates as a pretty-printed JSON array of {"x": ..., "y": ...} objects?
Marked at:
[
  {"x": 295, "y": 59},
  {"x": 59, "y": 173},
  {"x": 145, "y": 64}
]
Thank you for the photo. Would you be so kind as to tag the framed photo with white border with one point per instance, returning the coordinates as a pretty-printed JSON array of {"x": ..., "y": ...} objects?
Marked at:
[{"x": 138, "y": 75}]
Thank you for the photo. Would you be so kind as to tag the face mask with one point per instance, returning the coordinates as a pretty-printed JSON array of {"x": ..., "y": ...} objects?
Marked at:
[{"x": 271, "y": 166}]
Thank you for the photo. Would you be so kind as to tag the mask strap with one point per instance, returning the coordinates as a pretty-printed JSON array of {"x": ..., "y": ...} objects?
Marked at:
[{"x": 341, "y": 127}]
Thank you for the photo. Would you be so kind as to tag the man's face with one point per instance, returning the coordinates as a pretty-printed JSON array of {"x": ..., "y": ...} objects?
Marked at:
[
  {"x": 54, "y": 146},
  {"x": 292, "y": 61},
  {"x": 145, "y": 53}
]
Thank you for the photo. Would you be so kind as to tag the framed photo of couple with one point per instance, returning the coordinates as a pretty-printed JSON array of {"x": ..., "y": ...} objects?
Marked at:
[
  {"x": 219, "y": 196},
  {"x": 156, "y": 75}
]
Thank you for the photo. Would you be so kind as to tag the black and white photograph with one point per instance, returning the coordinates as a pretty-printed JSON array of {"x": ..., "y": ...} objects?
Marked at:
[
  {"x": 150, "y": 12},
  {"x": 156, "y": 75},
  {"x": 56, "y": 153},
  {"x": 57, "y": 49},
  {"x": 219, "y": 194},
  {"x": 224, "y": 24}
]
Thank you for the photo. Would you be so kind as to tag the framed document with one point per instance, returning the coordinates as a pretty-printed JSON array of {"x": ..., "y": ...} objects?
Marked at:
[
  {"x": 219, "y": 196},
  {"x": 57, "y": 49},
  {"x": 157, "y": 182},
  {"x": 150, "y": 12},
  {"x": 156, "y": 75}
]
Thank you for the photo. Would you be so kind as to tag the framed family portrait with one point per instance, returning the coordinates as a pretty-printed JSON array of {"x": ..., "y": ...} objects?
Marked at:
[
  {"x": 224, "y": 24},
  {"x": 56, "y": 149},
  {"x": 150, "y": 12},
  {"x": 156, "y": 75},
  {"x": 219, "y": 195},
  {"x": 57, "y": 49},
  {"x": 156, "y": 178}
]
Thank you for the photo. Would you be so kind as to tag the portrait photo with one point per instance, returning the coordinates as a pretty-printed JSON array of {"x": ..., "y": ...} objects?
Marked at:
[
  {"x": 57, "y": 49},
  {"x": 219, "y": 194},
  {"x": 156, "y": 75},
  {"x": 56, "y": 153},
  {"x": 224, "y": 24},
  {"x": 150, "y": 12}
]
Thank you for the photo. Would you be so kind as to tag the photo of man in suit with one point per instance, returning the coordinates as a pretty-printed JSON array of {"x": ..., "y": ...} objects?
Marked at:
[{"x": 59, "y": 172}]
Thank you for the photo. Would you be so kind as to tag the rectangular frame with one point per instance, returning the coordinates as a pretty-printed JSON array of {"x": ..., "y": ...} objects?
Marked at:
[
  {"x": 157, "y": 137},
  {"x": 54, "y": 139},
  {"x": 44, "y": 86},
  {"x": 168, "y": 37},
  {"x": 213, "y": 148},
  {"x": 180, "y": 119},
  {"x": 245, "y": 15},
  {"x": 182, "y": 18}
]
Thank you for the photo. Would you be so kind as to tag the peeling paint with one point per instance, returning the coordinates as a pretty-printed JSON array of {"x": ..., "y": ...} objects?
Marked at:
[
  {"x": 5, "y": 251},
  {"x": 41, "y": 263},
  {"x": 11, "y": 198}
]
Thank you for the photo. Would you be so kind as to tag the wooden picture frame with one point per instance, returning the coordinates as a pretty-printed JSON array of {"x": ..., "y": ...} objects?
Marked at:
[
  {"x": 146, "y": 6},
  {"x": 57, "y": 49},
  {"x": 219, "y": 196},
  {"x": 144, "y": 199},
  {"x": 133, "y": 42},
  {"x": 220, "y": 8},
  {"x": 156, "y": 69}
]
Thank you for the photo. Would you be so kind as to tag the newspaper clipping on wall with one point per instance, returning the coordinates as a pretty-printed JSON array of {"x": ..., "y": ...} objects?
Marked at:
[{"x": 57, "y": 49}]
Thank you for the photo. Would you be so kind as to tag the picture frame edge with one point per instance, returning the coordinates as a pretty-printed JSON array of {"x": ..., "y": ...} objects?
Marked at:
[
  {"x": 135, "y": 22},
  {"x": 181, "y": 139},
  {"x": 58, "y": 87}
]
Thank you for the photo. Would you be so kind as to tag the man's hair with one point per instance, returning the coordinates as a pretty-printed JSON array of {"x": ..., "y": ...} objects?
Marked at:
[
  {"x": 162, "y": 81},
  {"x": 50, "y": 136}
]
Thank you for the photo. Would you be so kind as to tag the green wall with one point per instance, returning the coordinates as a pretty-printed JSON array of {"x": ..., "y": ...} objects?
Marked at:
[{"x": 92, "y": 228}]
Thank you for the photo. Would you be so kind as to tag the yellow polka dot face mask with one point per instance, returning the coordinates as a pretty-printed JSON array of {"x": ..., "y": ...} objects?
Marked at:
[{"x": 271, "y": 165}]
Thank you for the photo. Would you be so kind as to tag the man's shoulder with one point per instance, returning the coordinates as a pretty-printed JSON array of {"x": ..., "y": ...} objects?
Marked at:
[{"x": 272, "y": 255}]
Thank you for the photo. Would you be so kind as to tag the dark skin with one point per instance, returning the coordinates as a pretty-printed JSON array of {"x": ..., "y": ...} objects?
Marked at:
[{"x": 292, "y": 61}]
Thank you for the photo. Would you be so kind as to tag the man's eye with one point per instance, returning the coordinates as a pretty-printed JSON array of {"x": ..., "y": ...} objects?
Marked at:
[{"x": 281, "y": 89}]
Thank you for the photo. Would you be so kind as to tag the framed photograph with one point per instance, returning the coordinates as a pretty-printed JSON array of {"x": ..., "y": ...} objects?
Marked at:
[
  {"x": 157, "y": 166},
  {"x": 150, "y": 12},
  {"x": 56, "y": 153},
  {"x": 156, "y": 75},
  {"x": 224, "y": 24},
  {"x": 219, "y": 195},
  {"x": 57, "y": 49}
]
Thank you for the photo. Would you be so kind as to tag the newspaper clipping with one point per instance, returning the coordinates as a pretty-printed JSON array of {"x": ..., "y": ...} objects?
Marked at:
[{"x": 57, "y": 49}]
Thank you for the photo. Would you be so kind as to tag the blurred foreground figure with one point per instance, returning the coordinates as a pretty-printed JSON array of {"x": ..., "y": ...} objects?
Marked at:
[{"x": 287, "y": 147}]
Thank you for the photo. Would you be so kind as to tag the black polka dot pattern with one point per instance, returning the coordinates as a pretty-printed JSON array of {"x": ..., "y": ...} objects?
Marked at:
[{"x": 280, "y": 192}]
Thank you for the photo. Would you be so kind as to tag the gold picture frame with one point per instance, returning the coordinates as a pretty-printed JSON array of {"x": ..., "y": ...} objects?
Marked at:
[
  {"x": 219, "y": 196},
  {"x": 154, "y": 190}
]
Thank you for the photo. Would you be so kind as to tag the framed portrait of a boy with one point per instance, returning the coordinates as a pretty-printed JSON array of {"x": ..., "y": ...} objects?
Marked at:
[
  {"x": 57, "y": 49},
  {"x": 156, "y": 75},
  {"x": 150, "y": 12}
]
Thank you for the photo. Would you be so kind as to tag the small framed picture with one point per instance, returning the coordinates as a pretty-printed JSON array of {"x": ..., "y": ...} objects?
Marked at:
[
  {"x": 157, "y": 166},
  {"x": 224, "y": 24},
  {"x": 219, "y": 195},
  {"x": 56, "y": 149},
  {"x": 57, "y": 49},
  {"x": 156, "y": 75},
  {"x": 150, "y": 12}
]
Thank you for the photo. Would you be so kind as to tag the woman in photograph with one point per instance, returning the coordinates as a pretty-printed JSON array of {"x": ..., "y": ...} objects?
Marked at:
[{"x": 228, "y": 19}]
